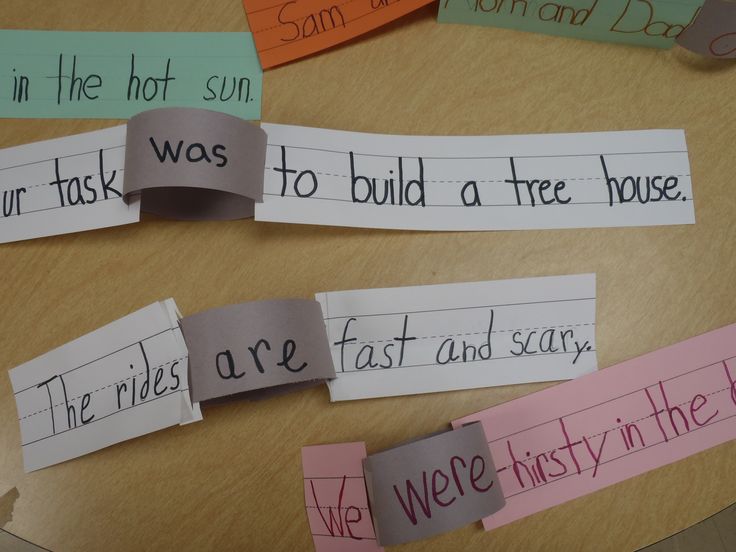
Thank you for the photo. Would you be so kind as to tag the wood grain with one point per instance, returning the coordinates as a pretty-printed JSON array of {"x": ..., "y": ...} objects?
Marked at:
[{"x": 233, "y": 482}]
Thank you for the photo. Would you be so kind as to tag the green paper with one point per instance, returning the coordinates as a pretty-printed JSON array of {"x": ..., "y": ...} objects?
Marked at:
[
  {"x": 218, "y": 71},
  {"x": 653, "y": 23}
]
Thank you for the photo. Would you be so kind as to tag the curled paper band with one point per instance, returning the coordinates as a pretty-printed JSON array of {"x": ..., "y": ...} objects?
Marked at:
[
  {"x": 432, "y": 485},
  {"x": 194, "y": 164},
  {"x": 713, "y": 33},
  {"x": 256, "y": 347}
]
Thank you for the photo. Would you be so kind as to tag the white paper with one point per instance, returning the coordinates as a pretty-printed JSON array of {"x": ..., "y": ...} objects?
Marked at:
[
  {"x": 86, "y": 194},
  {"x": 459, "y": 336},
  {"x": 449, "y": 163},
  {"x": 110, "y": 366}
]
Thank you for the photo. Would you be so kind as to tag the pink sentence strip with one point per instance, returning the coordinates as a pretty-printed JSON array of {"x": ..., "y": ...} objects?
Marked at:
[
  {"x": 336, "y": 499},
  {"x": 581, "y": 436}
]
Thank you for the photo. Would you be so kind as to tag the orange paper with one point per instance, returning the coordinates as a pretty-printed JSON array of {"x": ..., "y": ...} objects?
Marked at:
[{"x": 290, "y": 29}]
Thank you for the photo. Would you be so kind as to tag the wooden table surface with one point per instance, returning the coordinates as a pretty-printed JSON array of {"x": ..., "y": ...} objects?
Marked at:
[{"x": 233, "y": 481}]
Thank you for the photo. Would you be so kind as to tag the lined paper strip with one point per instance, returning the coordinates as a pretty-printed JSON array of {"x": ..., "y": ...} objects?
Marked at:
[
  {"x": 114, "y": 75},
  {"x": 65, "y": 185},
  {"x": 578, "y": 437},
  {"x": 288, "y": 30},
  {"x": 121, "y": 381},
  {"x": 422, "y": 339},
  {"x": 653, "y": 23},
  {"x": 336, "y": 500},
  {"x": 319, "y": 176}
]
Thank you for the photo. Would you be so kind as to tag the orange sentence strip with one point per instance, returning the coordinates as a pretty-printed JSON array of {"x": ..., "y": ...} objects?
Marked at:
[{"x": 291, "y": 29}]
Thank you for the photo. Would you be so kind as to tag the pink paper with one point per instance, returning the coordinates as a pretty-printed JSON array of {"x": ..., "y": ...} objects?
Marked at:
[
  {"x": 337, "y": 503},
  {"x": 583, "y": 435}
]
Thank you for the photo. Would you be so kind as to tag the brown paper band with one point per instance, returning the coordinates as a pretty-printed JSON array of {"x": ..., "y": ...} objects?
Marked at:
[
  {"x": 713, "y": 33},
  {"x": 258, "y": 348},
  {"x": 194, "y": 164},
  {"x": 432, "y": 485}
]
